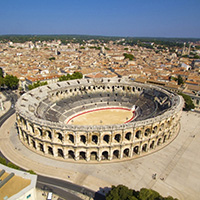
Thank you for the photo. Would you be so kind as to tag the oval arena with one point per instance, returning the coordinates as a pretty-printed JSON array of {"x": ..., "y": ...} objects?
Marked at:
[{"x": 97, "y": 119}]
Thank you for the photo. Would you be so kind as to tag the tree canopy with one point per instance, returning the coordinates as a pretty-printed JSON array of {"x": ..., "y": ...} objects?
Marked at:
[
  {"x": 75, "y": 75},
  {"x": 188, "y": 102},
  {"x": 11, "y": 81},
  {"x": 37, "y": 84},
  {"x": 129, "y": 56},
  {"x": 122, "y": 192}
]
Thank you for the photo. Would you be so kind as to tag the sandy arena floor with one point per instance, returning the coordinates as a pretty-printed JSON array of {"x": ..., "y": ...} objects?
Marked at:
[{"x": 102, "y": 116}]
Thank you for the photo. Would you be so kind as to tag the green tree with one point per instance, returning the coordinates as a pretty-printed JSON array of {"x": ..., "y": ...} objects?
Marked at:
[
  {"x": 11, "y": 165},
  {"x": 75, "y": 75},
  {"x": 180, "y": 80},
  {"x": 1, "y": 72},
  {"x": 122, "y": 192},
  {"x": 2, "y": 82},
  {"x": 148, "y": 194},
  {"x": 129, "y": 56},
  {"x": 31, "y": 171},
  {"x": 119, "y": 192},
  {"x": 11, "y": 81},
  {"x": 2, "y": 161},
  {"x": 52, "y": 58},
  {"x": 37, "y": 84},
  {"x": 188, "y": 102}
]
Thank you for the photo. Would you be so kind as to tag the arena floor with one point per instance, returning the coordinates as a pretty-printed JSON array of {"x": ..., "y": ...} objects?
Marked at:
[{"x": 102, "y": 116}]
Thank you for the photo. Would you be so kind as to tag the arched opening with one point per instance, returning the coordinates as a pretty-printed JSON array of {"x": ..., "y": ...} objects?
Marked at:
[
  {"x": 71, "y": 138},
  {"x": 138, "y": 134},
  {"x": 49, "y": 135},
  {"x": 95, "y": 139},
  {"x": 164, "y": 139},
  {"x": 41, "y": 146},
  {"x": 155, "y": 128},
  {"x": 117, "y": 137},
  {"x": 82, "y": 155},
  {"x": 161, "y": 126},
  {"x": 33, "y": 144},
  {"x": 105, "y": 155},
  {"x": 159, "y": 141},
  {"x": 168, "y": 123},
  {"x": 147, "y": 132},
  {"x": 133, "y": 89},
  {"x": 27, "y": 139},
  {"x": 71, "y": 154},
  {"x": 50, "y": 150},
  {"x": 40, "y": 132},
  {"x": 144, "y": 148},
  {"x": 128, "y": 136},
  {"x": 60, "y": 153},
  {"x": 113, "y": 88},
  {"x": 136, "y": 150},
  {"x": 115, "y": 154},
  {"x": 60, "y": 137},
  {"x": 106, "y": 138},
  {"x": 83, "y": 139},
  {"x": 93, "y": 155},
  {"x": 169, "y": 135},
  {"x": 126, "y": 153},
  {"x": 32, "y": 128},
  {"x": 152, "y": 144}
]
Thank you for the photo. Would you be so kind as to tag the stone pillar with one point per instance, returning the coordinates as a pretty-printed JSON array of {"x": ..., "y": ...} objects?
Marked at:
[
  {"x": 100, "y": 139},
  {"x": 110, "y": 155},
  {"x": 20, "y": 133},
  {"x": 99, "y": 155},
  {"x": 133, "y": 135},
  {"x": 131, "y": 151},
  {"x": 121, "y": 153},
  {"x": 45, "y": 148},
  {"x": 55, "y": 151},
  {"x": 76, "y": 138},
  {"x": 76, "y": 153},
  {"x": 65, "y": 152},
  {"x": 87, "y": 155}
]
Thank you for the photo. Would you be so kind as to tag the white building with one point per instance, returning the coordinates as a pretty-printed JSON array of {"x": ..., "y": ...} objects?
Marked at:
[{"x": 16, "y": 184}]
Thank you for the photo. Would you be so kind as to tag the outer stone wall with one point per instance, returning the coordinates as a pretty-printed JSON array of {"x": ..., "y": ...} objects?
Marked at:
[{"x": 95, "y": 143}]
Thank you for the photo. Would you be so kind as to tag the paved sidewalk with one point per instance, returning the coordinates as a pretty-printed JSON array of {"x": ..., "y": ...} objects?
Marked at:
[
  {"x": 176, "y": 166},
  {"x": 6, "y": 104}
]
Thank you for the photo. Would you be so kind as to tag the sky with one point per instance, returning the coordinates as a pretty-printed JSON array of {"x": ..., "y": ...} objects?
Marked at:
[{"x": 134, "y": 18}]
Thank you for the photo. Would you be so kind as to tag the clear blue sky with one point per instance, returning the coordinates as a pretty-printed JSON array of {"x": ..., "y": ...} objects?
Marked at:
[{"x": 152, "y": 18}]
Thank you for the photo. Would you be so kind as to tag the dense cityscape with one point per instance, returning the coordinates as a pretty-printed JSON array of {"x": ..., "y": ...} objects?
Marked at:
[{"x": 146, "y": 60}]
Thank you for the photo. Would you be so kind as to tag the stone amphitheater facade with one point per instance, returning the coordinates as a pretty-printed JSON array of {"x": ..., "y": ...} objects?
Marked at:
[{"x": 41, "y": 119}]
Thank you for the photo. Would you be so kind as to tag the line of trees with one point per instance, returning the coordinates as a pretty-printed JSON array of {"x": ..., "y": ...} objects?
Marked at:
[
  {"x": 37, "y": 84},
  {"x": 122, "y": 192},
  {"x": 75, "y": 75}
]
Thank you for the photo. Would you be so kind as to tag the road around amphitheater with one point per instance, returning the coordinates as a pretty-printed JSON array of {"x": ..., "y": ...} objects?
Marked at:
[{"x": 176, "y": 166}]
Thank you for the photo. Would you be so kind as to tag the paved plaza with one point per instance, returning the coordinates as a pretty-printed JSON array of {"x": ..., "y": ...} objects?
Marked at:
[{"x": 176, "y": 166}]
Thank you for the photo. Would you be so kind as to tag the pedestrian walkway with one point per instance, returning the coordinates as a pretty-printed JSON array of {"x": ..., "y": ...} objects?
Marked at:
[
  {"x": 6, "y": 104},
  {"x": 176, "y": 166}
]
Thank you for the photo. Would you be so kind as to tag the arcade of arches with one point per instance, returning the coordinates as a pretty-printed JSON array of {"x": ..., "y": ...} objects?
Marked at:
[{"x": 101, "y": 146}]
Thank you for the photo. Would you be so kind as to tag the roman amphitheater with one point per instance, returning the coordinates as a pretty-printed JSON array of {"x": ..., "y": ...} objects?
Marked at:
[{"x": 97, "y": 120}]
